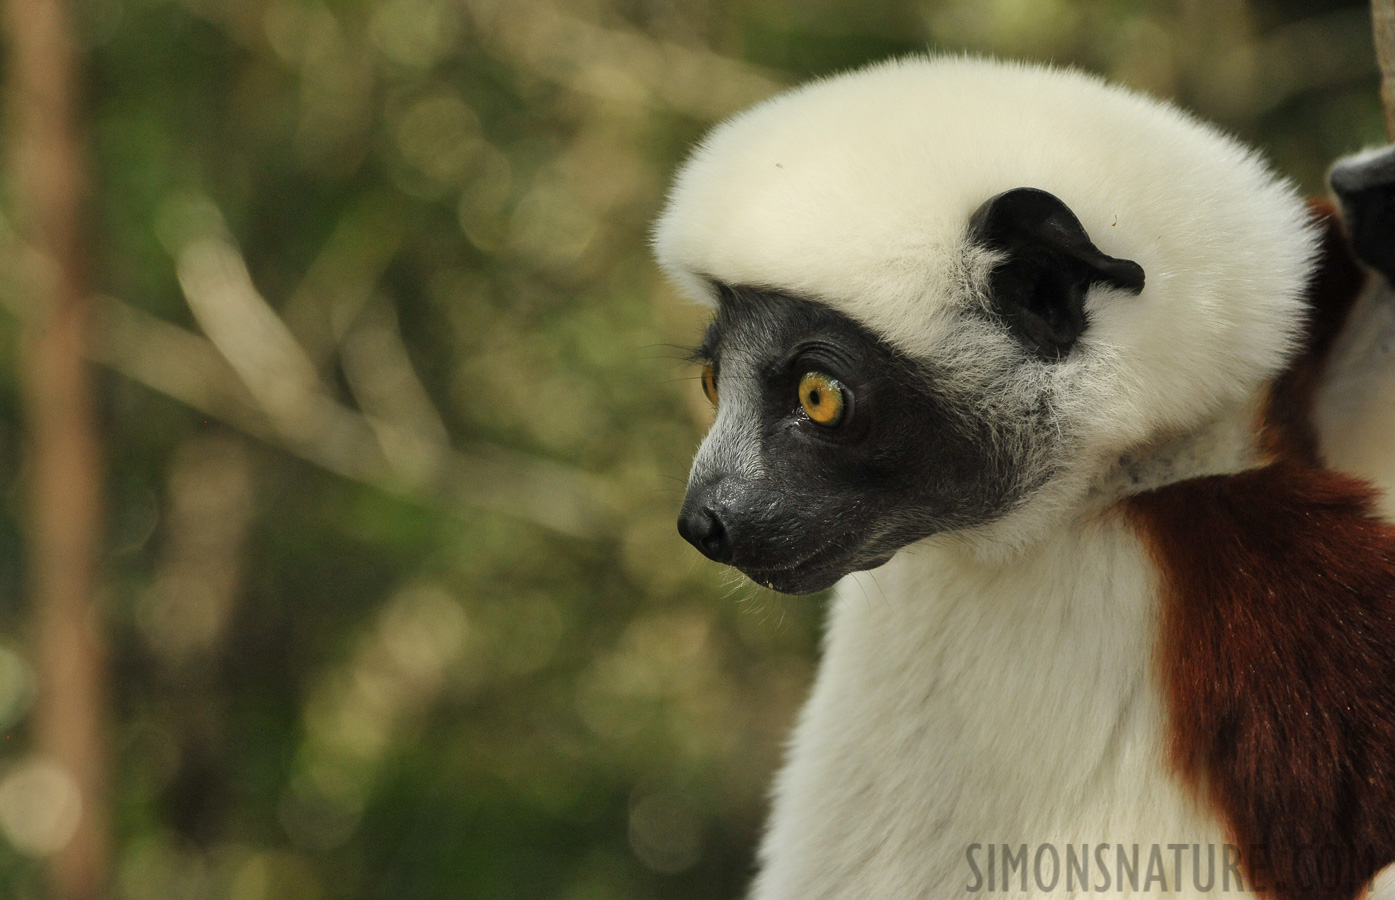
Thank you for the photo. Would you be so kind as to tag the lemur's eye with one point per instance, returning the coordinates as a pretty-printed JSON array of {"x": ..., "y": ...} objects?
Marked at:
[
  {"x": 822, "y": 398},
  {"x": 709, "y": 382}
]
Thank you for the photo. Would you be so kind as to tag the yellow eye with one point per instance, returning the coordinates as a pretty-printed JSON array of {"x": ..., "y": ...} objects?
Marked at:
[
  {"x": 822, "y": 398},
  {"x": 709, "y": 383}
]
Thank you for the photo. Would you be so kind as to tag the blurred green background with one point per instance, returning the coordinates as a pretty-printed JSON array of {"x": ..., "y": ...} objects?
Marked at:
[{"x": 396, "y": 424}]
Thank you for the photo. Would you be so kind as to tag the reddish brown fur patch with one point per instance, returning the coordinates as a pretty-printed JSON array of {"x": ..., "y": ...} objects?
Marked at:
[
  {"x": 1288, "y": 432},
  {"x": 1277, "y": 654}
]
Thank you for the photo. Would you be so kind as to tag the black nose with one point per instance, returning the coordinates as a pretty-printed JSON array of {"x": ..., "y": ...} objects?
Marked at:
[{"x": 704, "y": 530}]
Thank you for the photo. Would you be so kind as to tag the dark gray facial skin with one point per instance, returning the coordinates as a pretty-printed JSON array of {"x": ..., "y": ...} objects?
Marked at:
[{"x": 796, "y": 505}]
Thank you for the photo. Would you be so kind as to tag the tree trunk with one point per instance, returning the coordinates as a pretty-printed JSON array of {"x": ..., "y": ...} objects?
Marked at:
[
  {"x": 1383, "y": 22},
  {"x": 49, "y": 184}
]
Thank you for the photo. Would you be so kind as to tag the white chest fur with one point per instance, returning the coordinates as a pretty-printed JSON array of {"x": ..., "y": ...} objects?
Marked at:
[{"x": 961, "y": 702}]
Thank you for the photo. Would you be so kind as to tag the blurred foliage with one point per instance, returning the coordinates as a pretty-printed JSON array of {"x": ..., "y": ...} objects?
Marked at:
[{"x": 396, "y": 609}]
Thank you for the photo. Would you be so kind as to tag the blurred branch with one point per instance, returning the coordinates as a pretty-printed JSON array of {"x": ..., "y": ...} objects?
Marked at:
[
  {"x": 191, "y": 369},
  {"x": 1383, "y": 24},
  {"x": 386, "y": 388},
  {"x": 341, "y": 279},
  {"x": 49, "y": 178},
  {"x": 270, "y": 364},
  {"x": 177, "y": 363},
  {"x": 197, "y": 372}
]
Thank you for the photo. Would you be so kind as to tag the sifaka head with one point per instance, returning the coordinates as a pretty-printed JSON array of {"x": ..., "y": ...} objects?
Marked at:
[
  {"x": 950, "y": 293},
  {"x": 833, "y": 449}
]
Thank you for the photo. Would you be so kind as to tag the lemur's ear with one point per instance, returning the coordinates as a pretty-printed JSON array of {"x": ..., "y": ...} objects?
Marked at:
[
  {"x": 1049, "y": 264},
  {"x": 1365, "y": 185}
]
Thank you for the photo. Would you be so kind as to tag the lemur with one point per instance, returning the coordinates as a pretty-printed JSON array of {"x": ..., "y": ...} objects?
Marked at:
[{"x": 1043, "y": 354}]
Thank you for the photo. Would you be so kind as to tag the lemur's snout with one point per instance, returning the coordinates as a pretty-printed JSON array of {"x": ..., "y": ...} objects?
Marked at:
[{"x": 702, "y": 527}]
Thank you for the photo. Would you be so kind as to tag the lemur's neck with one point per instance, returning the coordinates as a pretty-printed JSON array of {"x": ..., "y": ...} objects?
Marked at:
[{"x": 1230, "y": 442}]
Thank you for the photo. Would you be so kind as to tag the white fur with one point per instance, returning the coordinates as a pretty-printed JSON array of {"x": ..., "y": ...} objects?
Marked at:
[{"x": 1006, "y": 697}]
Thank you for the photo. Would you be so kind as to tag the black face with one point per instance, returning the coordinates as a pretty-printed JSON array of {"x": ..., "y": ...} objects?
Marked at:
[{"x": 831, "y": 449}]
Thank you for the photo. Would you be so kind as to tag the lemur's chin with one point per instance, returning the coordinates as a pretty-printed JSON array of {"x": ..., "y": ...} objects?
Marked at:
[
  {"x": 795, "y": 581},
  {"x": 810, "y": 578}
]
